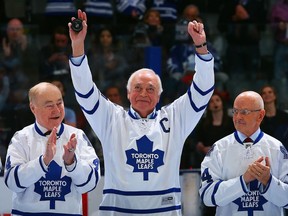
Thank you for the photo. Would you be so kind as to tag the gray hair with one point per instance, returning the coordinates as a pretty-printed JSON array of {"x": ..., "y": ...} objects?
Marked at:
[{"x": 141, "y": 71}]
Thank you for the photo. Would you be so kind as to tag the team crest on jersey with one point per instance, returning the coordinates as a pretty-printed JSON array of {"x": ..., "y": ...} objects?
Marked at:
[
  {"x": 53, "y": 188},
  {"x": 252, "y": 201},
  {"x": 145, "y": 160}
]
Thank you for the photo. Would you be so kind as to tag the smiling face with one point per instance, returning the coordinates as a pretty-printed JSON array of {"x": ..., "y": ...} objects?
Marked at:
[
  {"x": 144, "y": 92},
  {"x": 268, "y": 94},
  {"x": 47, "y": 105}
]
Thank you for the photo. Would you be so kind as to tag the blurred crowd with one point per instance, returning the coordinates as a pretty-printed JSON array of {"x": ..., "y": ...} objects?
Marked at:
[{"x": 248, "y": 39}]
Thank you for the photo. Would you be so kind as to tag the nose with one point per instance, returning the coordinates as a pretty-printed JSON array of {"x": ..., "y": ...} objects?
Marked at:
[
  {"x": 56, "y": 108},
  {"x": 143, "y": 92}
]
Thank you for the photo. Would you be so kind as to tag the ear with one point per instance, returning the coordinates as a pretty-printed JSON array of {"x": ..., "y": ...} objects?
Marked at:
[
  {"x": 32, "y": 107},
  {"x": 128, "y": 95},
  {"x": 262, "y": 115}
]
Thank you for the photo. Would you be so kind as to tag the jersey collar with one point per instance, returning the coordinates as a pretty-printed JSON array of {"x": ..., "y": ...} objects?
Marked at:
[
  {"x": 41, "y": 130},
  {"x": 136, "y": 115}
]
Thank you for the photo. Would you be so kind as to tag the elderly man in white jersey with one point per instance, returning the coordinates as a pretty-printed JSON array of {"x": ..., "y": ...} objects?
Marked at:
[
  {"x": 142, "y": 146},
  {"x": 49, "y": 173},
  {"x": 246, "y": 172}
]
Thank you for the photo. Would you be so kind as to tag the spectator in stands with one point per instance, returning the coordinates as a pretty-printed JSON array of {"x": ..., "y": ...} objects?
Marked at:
[
  {"x": 107, "y": 62},
  {"x": 155, "y": 30},
  {"x": 242, "y": 22},
  {"x": 167, "y": 9},
  {"x": 181, "y": 60},
  {"x": 18, "y": 55},
  {"x": 275, "y": 122},
  {"x": 279, "y": 22},
  {"x": 213, "y": 126},
  {"x": 55, "y": 55},
  {"x": 113, "y": 93},
  {"x": 70, "y": 114},
  {"x": 181, "y": 68}
]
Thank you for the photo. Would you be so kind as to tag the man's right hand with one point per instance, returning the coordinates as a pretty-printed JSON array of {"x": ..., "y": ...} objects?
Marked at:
[
  {"x": 77, "y": 38},
  {"x": 50, "y": 147}
]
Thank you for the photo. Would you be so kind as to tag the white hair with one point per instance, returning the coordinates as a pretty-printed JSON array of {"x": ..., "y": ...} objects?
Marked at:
[{"x": 141, "y": 71}]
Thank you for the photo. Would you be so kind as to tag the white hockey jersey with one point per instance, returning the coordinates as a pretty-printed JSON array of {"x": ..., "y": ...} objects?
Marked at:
[
  {"x": 223, "y": 185},
  {"x": 53, "y": 191},
  {"x": 142, "y": 156}
]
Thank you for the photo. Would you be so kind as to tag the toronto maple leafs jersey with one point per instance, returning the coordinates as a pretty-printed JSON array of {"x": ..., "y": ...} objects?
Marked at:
[
  {"x": 52, "y": 190},
  {"x": 222, "y": 177},
  {"x": 142, "y": 155}
]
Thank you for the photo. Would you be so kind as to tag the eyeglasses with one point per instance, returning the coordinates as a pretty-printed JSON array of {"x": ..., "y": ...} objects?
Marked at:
[{"x": 243, "y": 111}]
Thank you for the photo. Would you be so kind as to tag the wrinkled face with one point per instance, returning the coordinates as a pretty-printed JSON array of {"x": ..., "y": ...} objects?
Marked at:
[
  {"x": 14, "y": 30},
  {"x": 250, "y": 122},
  {"x": 268, "y": 95},
  {"x": 48, "y": 107},
  {"x": 144, "y": 93},
  {"x": 106, "y": 38},
  {"x": 215, "y": 103}
]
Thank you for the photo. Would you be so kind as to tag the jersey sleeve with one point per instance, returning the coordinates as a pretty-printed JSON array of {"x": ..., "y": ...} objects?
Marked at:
[
  {"x": 276, "y": 191},
  {"x": 86, "y": 173},
  {"x": 215, "y": 191},
  {"x": 20, "y": 171}
]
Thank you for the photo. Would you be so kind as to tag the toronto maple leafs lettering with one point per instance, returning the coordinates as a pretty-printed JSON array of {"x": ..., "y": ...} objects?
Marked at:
[
  {"x": 251, "y": 201},
  {"x": 53, "y": 187},
  {"x": 145, "y": 159}
]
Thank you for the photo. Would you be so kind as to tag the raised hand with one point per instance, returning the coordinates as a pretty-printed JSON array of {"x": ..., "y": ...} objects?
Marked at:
[
  {"x": 78, "y": 38},
  {"x": 50, "y": 147},
  {"x": 197, "y": 32},
  {"x": 69, "y": 150}
]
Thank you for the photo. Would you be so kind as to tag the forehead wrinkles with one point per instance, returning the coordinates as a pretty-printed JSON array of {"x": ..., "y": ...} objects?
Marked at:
[
  {"x": 49, "y": 96},
  {"x": 146, "y": 78}
]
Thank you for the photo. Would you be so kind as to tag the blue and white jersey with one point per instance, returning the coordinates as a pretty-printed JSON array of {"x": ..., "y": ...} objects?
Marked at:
[
  {"x": 56, "y": 189},
  {"x": 126, "y": 7},
  {"x": 222, "y": 177},
  {"x": 167, "y": 9},
  {"x": 99, "y": 8},
  {"x": 60, "y": 8},
  {"x": 142, "y": 155}
]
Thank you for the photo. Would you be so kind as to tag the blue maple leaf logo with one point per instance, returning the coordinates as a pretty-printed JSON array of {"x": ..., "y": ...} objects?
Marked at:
[
  {"x": 252, "y": 201},
  {"x": 145, "y": 160},
  {"x": 53, "y": 188}
]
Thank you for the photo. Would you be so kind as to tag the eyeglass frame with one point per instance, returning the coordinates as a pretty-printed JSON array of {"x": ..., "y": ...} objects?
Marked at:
[{"x": 243, "y": 111}]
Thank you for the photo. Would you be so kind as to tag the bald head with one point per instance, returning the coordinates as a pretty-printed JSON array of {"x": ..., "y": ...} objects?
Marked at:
[
  {"x": 248, "y": 112},
  {"x": 15, "y": 29},
  {"x": 251, "y": 98},
  {"x": 40, "y": 89}
]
